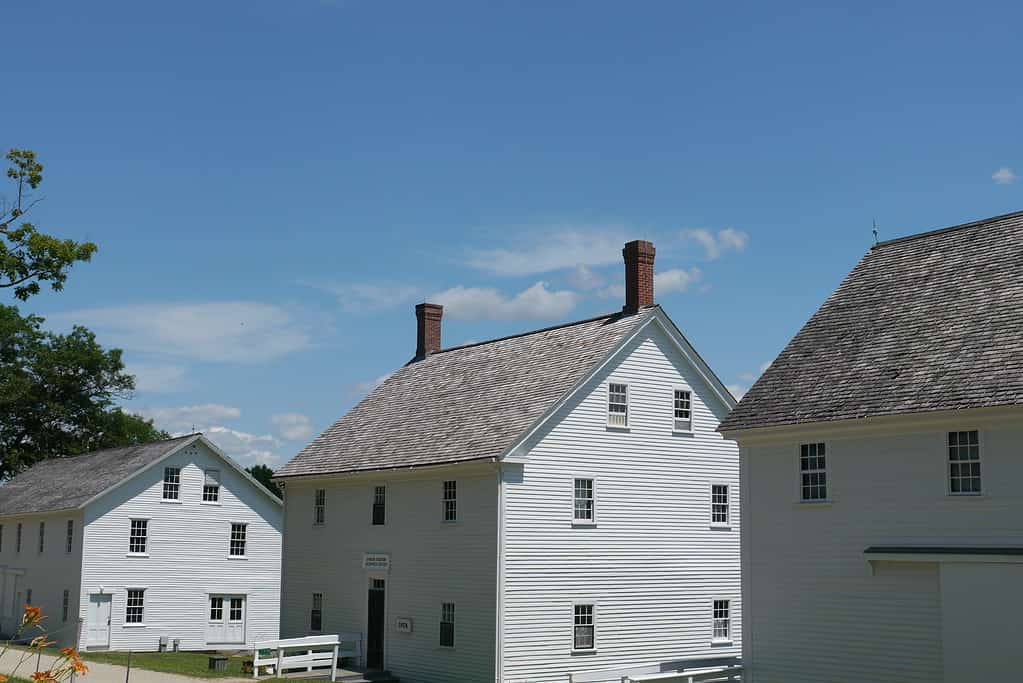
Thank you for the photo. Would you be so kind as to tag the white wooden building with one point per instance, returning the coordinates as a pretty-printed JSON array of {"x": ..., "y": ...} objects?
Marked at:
[
  {"x": 882, "y": 504},
  {"x": 125, "y": 547},
  {"x": 525, "y": 508}
]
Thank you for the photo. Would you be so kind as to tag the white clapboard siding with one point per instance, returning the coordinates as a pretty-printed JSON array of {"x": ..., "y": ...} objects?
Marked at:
[
  {"x": 431, "y": 562},
  {"x": 188, "y": 554},
  {"x": 815, "y": 611},
  {"x": 652, "y": 564}
]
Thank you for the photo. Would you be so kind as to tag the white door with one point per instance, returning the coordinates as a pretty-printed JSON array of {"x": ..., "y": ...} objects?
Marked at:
[
  {"x": 99, "y": 621},
  {"x": 226, "y": 619}
]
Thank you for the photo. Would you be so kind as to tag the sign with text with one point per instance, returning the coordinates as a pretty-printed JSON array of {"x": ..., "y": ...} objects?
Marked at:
[
  {"x": 376, "y": 562},
  {"x": 403, "y": 625}
]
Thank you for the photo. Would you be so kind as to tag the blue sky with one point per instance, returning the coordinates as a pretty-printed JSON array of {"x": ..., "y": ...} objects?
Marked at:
[{"x": 273, "y": 185}]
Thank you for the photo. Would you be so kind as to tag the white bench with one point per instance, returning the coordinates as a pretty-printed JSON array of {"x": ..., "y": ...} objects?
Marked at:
[
  {"x": 311, "y": 652},
  {"x": 685, "y": 670}
]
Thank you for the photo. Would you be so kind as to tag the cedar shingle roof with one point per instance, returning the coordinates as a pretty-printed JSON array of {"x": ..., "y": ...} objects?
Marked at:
[
  {"x": 463, "y": 403},
  {"x": 923, "y": 323},
  {"x": 64, "y": 483}
]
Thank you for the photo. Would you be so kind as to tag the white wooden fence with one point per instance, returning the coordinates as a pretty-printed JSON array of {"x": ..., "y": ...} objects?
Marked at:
[
  {"x": 688, "y": 670},
  {"x": 312, "y": 652}
]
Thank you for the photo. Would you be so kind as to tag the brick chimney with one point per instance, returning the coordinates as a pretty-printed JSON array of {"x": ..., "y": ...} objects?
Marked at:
[
  {"x": 428, "y": 329},
  {"x": 639, "y": 275}
]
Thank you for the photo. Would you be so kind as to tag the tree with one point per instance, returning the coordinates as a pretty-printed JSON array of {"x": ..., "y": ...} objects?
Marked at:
[
  {"x": 27, "y": 256},
  {"x": 264, "y": 476},
  {"x": 58, "y": 393}
]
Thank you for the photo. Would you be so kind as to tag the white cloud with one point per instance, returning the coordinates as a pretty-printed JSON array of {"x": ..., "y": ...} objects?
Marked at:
[
  {"x": 479, "y": 303},
  {"x": 188, "y": 419},
  {"x": 245, "y": 448},
  {"x": 675, "y": 280},
  {"x": 361, "y": 298},
  {"x": 1004, "y": 176},
  {"x": 158, "y": 379},
  {"x": 293, "y": 426},
  {"x": 363, "y": 388},
  {"x": 715, "y": 245},
  {"x": 229, "y": 331},
  {"x": 583, "y": 277},
  {"x": 738, "y": 390},
  {"x": 552, "y": 250}
]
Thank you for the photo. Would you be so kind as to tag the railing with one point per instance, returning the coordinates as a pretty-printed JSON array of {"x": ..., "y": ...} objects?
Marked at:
[
  {"x": 312, "y": 652},
  {"x": 687, "y": 670}
]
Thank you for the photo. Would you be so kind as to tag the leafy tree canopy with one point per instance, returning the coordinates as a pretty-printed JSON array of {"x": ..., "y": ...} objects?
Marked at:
[
  {"x": 263, "y": 475},
  {"x": 27, "y": 256}
]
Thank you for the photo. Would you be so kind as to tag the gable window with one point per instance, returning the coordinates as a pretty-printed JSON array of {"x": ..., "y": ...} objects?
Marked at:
[
  {"x": 42, "y": 535},
  {"x": 447, "y": 624},
  {"x": 583, "y": 634},
  {"x": 237, "y": 548},
  {"x": 813, "y": 475},
  {"x": 584, "y": 510},
  {"x": 964, "y": 463},
  {"x": 683, "y": 410},
  {"x": 17, "y": 539},
  {"x": 450, "y": 501},
  {"x": 722, "y": 628},
  {"x": 236, "y": 610},
  {"x": 319, "y": 506},
  {"x": 316, "y": 613},
  {"x": 65, "y": 605},
  {"x": 211, "y": 486},
  {"x": 216, "y": 608},
  {"x": 617, "y": 405},
  {"x": 134, "y": 607},
  {"x": 719, "y": 504},
  {"x": 171, "y": 483},
  {"x": 70, "y": 542},
  {"x": 379, "y": 500},
  {"x": 138, "y": 536}
]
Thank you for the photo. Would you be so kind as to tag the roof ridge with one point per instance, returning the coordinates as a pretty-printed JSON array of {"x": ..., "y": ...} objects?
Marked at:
[
  {"x": 120, "y": 448},
  {"x": 938, "y": 231}
]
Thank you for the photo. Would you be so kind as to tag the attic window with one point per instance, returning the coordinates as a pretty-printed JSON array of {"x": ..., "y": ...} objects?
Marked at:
[
  {"x": 171, "y": 483},
  {"x": 683, "y": 409},
  {"x": 617, "y": 405},
  {"x": 211, "y": 487}
]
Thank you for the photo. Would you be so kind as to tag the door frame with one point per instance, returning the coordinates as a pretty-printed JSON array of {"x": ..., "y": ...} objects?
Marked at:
[
  {"x": 226, "y": 616},
  {"x": 370, "y": 576},
  {"x": 109, "y": 599}
]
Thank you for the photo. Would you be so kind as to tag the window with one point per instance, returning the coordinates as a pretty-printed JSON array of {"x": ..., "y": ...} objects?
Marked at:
[
  {"x": 236, "y": 609},
  {"x": 70, "y": 543},
  {"x": 65, "y": 605},
  {"x": 319, "y": 506},
  {"x": 719, "y": 504},
  {"x": 216, "y": 608},
  {"x": 316, "y": 613},
  {"x": 582, "y": 638},
  {"x": 964, "y": 463},
  {"x": 683, "y": 410},
  {"x": 138, "y": 536},
  {"x": 28, "y": 597},
  {"x": 211, "y": 486},
  {"x": 584, "y": 509},
  {"x": 813, "y": 477},
  {"x": 617, "y": 405},
  {"x": 237, "y": 540},
  {"x": 450, "y": 501},
  {"x": 42, "y": 536},
  {"x": 133, "y": 609},
  {"x": 722, "y": 621},
  {"x": 379, "y": 500},
  {"x": 17, "y": 540},
  {"x": 171, "y": 483},
  {"x": 447, "y": 624}
]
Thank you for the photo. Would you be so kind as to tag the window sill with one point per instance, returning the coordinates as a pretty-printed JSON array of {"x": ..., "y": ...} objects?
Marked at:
[
  {"x": 813, "y": 503},
  {"x": 136, "y": 554},
  {"x": 613, "y": 428},
  {"x": 444, "y": 648},
  {"x": 237, "y": 557},
  {"x": 133, "y": 625},
  {"x": 214, "y": 503},
  {"x": 172, "y": 501},
  {"x": 583, "y": 653},
  {"x": 583, "y": 523},
  {"x": 721, "y": 527},
  {"x": 319, "y": 525},
  {"x": 967, "y": 496},
  {"x": 449, "y": 522},
  {"x": 721, "y": 642},
  {"x": 682, "y": 432}
]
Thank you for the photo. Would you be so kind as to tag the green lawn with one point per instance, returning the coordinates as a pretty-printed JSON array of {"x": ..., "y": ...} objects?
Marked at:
[{"x": 185, "y": 663}]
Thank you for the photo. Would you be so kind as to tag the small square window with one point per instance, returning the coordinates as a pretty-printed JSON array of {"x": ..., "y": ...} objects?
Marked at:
[
  {"x": 617, "y": 405},
  {"x": 237, "y": 605},
  {"x": 813, "y": 474},
  {"x": 683, "y": 411},
  {"x": 216, "y": 608},
  {"x": 583, "y": 634},
  {"x": 964, "y": 463},
  {"x": 171, "y": 483}
]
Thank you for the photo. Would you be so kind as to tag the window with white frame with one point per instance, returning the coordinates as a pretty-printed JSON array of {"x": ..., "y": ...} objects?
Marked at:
[
  {"x": 70, "y": 540},
  {"x": 584, "y": 508},
  {"x": 17, "y": 539},
  {"x": 133, "y": 610},
  {"x": 138, "y": 536},
  {"x": 42, "y": 536},
  {"x": 719, "y": 504},
  {"x": 238, "y": 532},
  {"x": 583, "y": 633},
  {"x": 319, "y": 506},
  {"x": 379, "y": 504},
  {"x": 211, "y": 486},
  {"x": 171, "y": 483},
  {"x": 964, "y": 463},
  {"x": 722, "y": 620},
  {"x": 617, "y": 405},
  {"x": 65, "y": 605},
  {"x": 450, "y": 501},
  {"x": 316, "y": 613},
  {"x": 447, "y": 624},
  {"x": 216, "y": 608},
  {"x": 237, "y": 606},
  {"x": 813, "y": 473},
  {"x": 683, "y": 411}
]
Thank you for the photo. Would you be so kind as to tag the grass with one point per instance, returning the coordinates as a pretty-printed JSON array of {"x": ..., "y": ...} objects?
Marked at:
[{"x": 195, "y": 664}]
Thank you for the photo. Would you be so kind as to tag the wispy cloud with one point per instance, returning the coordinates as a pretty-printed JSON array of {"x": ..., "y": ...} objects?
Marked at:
[
  {"x": 209, "y": 418},
  {"x": 362, "y": 298},
  {"x": 187, "y": 419},
  {"x": 584, "y": 277},
  {"x": 247, "y": 449},
  {"x": 665, "y": 282},
  {"x": 158, "y": 378},
  {"x": 716, "y": 244},
  {"x": 292, "y": 426},
  {"x": 738, "y": 390},
  {"x": 484, "y": 303},
  {"x": 229, "y": 331},
  {"x": 550, "y": 250},
  {"x": 1004, "y": 176}
]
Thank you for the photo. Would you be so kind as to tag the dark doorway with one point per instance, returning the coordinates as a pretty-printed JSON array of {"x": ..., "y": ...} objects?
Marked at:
[{"x": 375, "y": 626}]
